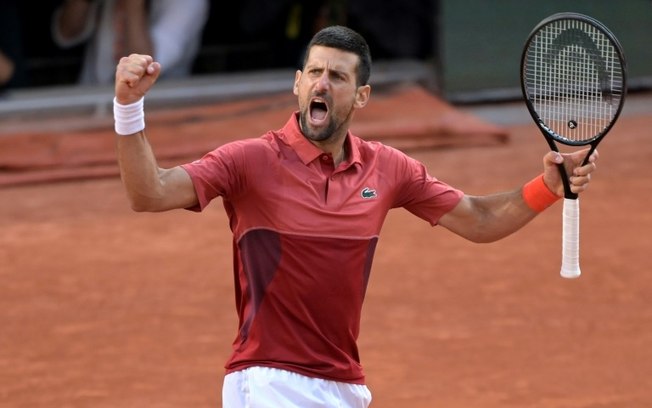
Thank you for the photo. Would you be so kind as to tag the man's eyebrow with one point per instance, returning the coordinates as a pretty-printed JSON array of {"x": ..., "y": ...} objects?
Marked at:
[
  {"x": 330, "y": 67},
  {"x": 340, "y": 71},
  {"x": 333, "y": 70}
]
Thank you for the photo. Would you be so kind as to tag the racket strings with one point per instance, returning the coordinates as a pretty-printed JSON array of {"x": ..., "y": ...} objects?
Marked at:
[{"x": 574, "y": 79}]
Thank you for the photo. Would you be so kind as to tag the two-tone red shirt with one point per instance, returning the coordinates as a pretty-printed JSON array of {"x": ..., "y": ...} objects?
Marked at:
[{"x": 304, "y": 238}]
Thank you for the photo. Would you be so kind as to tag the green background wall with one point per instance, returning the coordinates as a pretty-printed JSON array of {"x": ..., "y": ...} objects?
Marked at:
[{"x": 480, "y": 42}]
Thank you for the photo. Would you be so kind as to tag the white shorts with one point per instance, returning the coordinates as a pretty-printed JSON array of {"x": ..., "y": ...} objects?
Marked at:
[{"x": 264, "y": 387}]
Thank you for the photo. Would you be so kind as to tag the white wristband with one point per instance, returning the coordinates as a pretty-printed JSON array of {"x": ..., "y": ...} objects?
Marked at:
[{"x": 129, "y": 119}]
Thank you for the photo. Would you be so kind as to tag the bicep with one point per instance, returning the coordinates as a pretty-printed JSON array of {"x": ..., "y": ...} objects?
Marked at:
[
  {"x": 179, "y": 190},
  {"x": 461, "y": 219}
]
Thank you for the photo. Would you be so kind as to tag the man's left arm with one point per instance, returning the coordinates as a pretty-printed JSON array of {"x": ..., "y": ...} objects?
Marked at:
[{"x": 492, "y": 217}]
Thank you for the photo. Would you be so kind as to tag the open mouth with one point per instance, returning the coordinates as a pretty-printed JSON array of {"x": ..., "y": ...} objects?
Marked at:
[{"x": 318, "y": 110}]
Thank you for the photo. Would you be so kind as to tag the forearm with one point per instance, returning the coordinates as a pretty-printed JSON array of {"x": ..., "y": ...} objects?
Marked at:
[
  {"x": 150, "y": 187},
  {"x": 497, "y": 216},
  {"x": 139, "y": 170},
  {"x": 140, "y": 173},
  {"x": 492, "y": 217},
  {"x": 138, "y": 167}
]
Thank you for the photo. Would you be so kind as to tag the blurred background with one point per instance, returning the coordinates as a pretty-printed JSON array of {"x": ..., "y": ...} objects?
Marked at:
[
  {"x": 464, "y": 50},
  {"x": 106, "y": 308}
]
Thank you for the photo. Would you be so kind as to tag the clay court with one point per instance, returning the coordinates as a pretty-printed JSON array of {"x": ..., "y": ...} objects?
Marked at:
[{"x": 104, "y": 307}]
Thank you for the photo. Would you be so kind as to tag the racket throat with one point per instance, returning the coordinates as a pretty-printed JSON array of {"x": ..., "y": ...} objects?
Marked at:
[
  {"x": 562, "y": 170},
  {"x": 566, "y": 182}
]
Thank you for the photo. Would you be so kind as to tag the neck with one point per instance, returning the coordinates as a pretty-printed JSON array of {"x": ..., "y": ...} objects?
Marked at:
[
  {"x": 336, "y": 148},
  {"x": 339, "y": 157}
]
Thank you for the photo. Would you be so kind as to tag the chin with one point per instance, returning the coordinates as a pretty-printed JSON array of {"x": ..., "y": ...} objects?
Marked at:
[{"x": 316, "y": 134}]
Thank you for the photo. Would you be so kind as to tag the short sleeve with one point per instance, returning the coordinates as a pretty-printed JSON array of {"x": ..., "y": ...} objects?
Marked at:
[
  {"x": 422, "y": 194},
  {"x": 220, "y": 173}
]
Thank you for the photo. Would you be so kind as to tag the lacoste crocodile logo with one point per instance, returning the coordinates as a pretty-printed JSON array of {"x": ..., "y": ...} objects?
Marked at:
[{"x": 368, "y": 193}]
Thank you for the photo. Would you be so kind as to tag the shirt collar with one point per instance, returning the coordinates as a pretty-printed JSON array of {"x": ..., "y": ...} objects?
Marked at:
[{"x": 307, "y": 151}]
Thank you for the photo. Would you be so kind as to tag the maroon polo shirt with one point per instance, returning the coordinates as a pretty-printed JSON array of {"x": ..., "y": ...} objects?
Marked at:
[{"x": 304, "y": 235}]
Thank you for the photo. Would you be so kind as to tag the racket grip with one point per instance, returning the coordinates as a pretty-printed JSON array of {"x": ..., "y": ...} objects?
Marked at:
[{"x": 570, "y": 253}]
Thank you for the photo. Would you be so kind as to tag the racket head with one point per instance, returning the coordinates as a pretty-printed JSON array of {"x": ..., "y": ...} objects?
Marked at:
[{"x": 573, "y": 78}]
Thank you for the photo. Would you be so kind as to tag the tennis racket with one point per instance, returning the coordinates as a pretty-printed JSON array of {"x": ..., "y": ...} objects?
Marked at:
[{"x": 573, "y": 78}]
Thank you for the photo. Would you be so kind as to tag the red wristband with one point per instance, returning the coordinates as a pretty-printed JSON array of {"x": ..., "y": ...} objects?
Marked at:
[{"x": 537, "y": 195}]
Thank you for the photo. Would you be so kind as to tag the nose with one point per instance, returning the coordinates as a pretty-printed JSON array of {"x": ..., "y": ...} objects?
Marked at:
[{"x": 322, "y": 82}]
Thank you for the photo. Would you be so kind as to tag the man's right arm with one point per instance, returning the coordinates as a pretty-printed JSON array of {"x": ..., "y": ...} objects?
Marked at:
[{"x": 149, "y": 187}]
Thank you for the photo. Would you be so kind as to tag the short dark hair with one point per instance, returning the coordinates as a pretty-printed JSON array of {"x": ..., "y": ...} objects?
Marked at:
[{"x": 345, "y": 39}]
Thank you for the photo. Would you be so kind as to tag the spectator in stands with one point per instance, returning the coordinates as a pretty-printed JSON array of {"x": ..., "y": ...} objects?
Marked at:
[
  {"x": 7, "y": 68},
  {"x": 12, "y": 70},
  {"x": 170, "y": 30}
]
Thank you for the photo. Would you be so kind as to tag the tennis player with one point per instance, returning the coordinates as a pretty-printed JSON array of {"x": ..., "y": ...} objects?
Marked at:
[{"x": 306, "y": 204}]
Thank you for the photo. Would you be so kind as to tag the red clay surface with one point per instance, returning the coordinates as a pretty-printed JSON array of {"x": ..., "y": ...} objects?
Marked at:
[{"x": 104, "y": 307}]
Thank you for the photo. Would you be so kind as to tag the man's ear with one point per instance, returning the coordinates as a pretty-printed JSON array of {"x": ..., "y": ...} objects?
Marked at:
[
  {"x": 297, "y": 77},
  {"x": 362, "y": 96}
]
